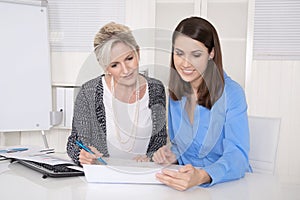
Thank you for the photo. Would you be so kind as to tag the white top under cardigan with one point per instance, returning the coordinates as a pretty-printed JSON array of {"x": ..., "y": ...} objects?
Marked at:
[{"x": 134, "y": 139}]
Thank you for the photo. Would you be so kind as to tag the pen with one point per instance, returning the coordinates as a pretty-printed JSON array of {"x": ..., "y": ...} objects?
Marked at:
[
  {"x": 88, "y": 150},
  {"x": 13, "y": 150}
]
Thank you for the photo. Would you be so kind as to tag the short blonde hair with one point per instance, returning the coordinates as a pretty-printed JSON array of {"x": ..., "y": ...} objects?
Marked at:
[{"x": 108, "y": 36}]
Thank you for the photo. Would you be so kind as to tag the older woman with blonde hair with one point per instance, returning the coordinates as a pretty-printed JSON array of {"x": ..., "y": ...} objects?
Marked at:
[{"x": 121, "y": 113}]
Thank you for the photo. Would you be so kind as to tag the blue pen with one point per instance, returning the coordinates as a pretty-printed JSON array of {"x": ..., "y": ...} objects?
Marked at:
[
  {"x": 13, "y": 150},
  {"x": 88, "y": 150}
]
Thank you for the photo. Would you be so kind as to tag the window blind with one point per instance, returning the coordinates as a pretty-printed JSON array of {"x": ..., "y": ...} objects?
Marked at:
[
  {"x": 276, "y": 30},
  {"x": 74, "y": 23}
]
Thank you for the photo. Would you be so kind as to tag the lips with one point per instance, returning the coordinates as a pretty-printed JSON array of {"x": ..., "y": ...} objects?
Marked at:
[
  {"x": 128, "y": 75},
  {"x": 187, "y": 71}
]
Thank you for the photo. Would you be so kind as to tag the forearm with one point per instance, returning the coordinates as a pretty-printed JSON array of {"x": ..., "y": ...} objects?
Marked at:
[
  {"x": 229, "y": 167},
  {"x": 72, "y": 149},
  {"x": 157, "y": 141}
]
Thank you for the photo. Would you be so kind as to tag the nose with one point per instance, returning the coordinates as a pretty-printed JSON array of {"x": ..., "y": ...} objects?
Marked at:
[
  {"x": 185, "y": 62},
  {"x": 124, "y": 68}
]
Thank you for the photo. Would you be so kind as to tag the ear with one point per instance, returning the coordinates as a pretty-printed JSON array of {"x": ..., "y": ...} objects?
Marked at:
[{"x": 212, "y": 54}]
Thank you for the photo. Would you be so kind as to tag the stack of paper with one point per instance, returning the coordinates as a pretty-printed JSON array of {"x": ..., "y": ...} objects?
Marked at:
[
  {"x": 33, "y": 153},
  {"x": 124, "y": 171}
]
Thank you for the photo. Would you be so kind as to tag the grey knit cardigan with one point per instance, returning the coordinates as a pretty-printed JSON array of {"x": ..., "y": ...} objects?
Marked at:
[{"x": 89, "y": 121}]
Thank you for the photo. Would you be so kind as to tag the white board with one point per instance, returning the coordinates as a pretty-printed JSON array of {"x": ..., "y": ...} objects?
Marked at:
[{"x": 25, "y": 74}]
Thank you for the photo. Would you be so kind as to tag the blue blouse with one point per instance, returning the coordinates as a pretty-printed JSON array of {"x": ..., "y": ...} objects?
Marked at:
[{"x": 218, "y": 139}]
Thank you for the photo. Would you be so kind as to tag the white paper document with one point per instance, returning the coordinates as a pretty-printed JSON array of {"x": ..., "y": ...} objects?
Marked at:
[
  {"x": 124, "y": 171},
  {"x": 36, "y": 154}
]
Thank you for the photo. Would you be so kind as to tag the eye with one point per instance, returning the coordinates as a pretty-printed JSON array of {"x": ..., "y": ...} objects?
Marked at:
[
  {"x": 178, "y": 52},
  {"x": 130, "y": 58},
  {"x": 197, "y": 55},
  {"x": 113, "y": 65}
]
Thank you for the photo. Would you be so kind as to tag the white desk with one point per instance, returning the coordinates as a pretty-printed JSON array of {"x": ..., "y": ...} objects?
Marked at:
[{"x": 19, "y": 182}]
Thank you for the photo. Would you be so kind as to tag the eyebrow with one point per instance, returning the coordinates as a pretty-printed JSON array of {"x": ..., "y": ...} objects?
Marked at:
[
  {"x": 131, "y": 53},
  {"x": 198, "y": 50},
  {"x": 194, "y": 51}
]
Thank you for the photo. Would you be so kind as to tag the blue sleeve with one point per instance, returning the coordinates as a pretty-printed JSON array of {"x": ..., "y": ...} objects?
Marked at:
[{"x": 234, "y": 161}]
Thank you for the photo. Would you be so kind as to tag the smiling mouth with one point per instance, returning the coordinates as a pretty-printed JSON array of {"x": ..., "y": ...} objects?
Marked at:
[{"x": 187, "y": 71}]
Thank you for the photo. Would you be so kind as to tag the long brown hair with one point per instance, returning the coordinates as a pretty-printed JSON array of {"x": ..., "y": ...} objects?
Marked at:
[{"x": 210, "y": 90}]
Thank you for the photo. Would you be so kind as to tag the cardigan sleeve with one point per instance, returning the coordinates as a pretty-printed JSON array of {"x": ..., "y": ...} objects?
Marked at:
[
  {"x": 80, "y": 125},
  {"x": 157, "y": 104}
]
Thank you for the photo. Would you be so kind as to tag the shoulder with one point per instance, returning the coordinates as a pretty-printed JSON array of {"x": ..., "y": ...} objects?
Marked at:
[
  {"x": 155, "y": 86},
  {"x": 235, "y": 94},
  {"x": 93, "y": 83},
  {"x": 156, "y": 90},
  {"x": 154, "y": 82},
  {"x": 89, "y": 89},
  {"x": 232, "y": 87}
]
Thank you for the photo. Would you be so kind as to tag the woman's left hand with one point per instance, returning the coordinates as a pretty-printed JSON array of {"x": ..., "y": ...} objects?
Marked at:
[{"x": 186, "y": 177}]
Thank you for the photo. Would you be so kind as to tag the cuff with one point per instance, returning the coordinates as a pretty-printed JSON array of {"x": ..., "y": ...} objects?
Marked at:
[{"x": 216, "y": 172}]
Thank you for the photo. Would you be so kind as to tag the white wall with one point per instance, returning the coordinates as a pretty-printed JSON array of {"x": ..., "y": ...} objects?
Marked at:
[
  {"x": 230, "y": 19},
  {"x": 273, "y": 90}
]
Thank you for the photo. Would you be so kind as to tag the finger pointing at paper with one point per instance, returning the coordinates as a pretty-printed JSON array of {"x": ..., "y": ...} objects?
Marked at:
[{"x": 164, "y": 156}]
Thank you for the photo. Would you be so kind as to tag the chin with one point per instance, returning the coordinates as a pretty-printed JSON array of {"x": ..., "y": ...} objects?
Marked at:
[
  {"x": 129, "y": 81},
  {"x": 187, "y": 78}
]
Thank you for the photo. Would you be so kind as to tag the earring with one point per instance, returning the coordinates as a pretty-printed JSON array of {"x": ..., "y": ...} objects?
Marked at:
[{"x": 107, "y": 73}]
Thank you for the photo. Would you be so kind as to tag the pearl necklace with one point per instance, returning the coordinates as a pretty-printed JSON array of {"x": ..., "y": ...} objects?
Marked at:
[{"x": 136, "y": 117}]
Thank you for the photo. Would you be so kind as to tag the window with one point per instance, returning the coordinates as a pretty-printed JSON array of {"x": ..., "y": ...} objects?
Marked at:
[
  {"x": 276, "y": 30},
  {"x": 74, "y": 23}
]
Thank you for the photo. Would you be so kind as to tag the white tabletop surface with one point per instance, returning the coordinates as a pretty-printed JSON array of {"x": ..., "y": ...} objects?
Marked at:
[{"x": 20, "y": 182}]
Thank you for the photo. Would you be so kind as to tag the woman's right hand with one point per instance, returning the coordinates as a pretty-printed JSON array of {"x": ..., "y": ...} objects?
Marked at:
[
  {"x": 88, "y": 158},
  {"x": 164, "y": 155}
]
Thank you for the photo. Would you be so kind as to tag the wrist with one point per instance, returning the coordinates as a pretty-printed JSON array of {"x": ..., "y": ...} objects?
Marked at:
[{"x": 204, "y": 177}]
